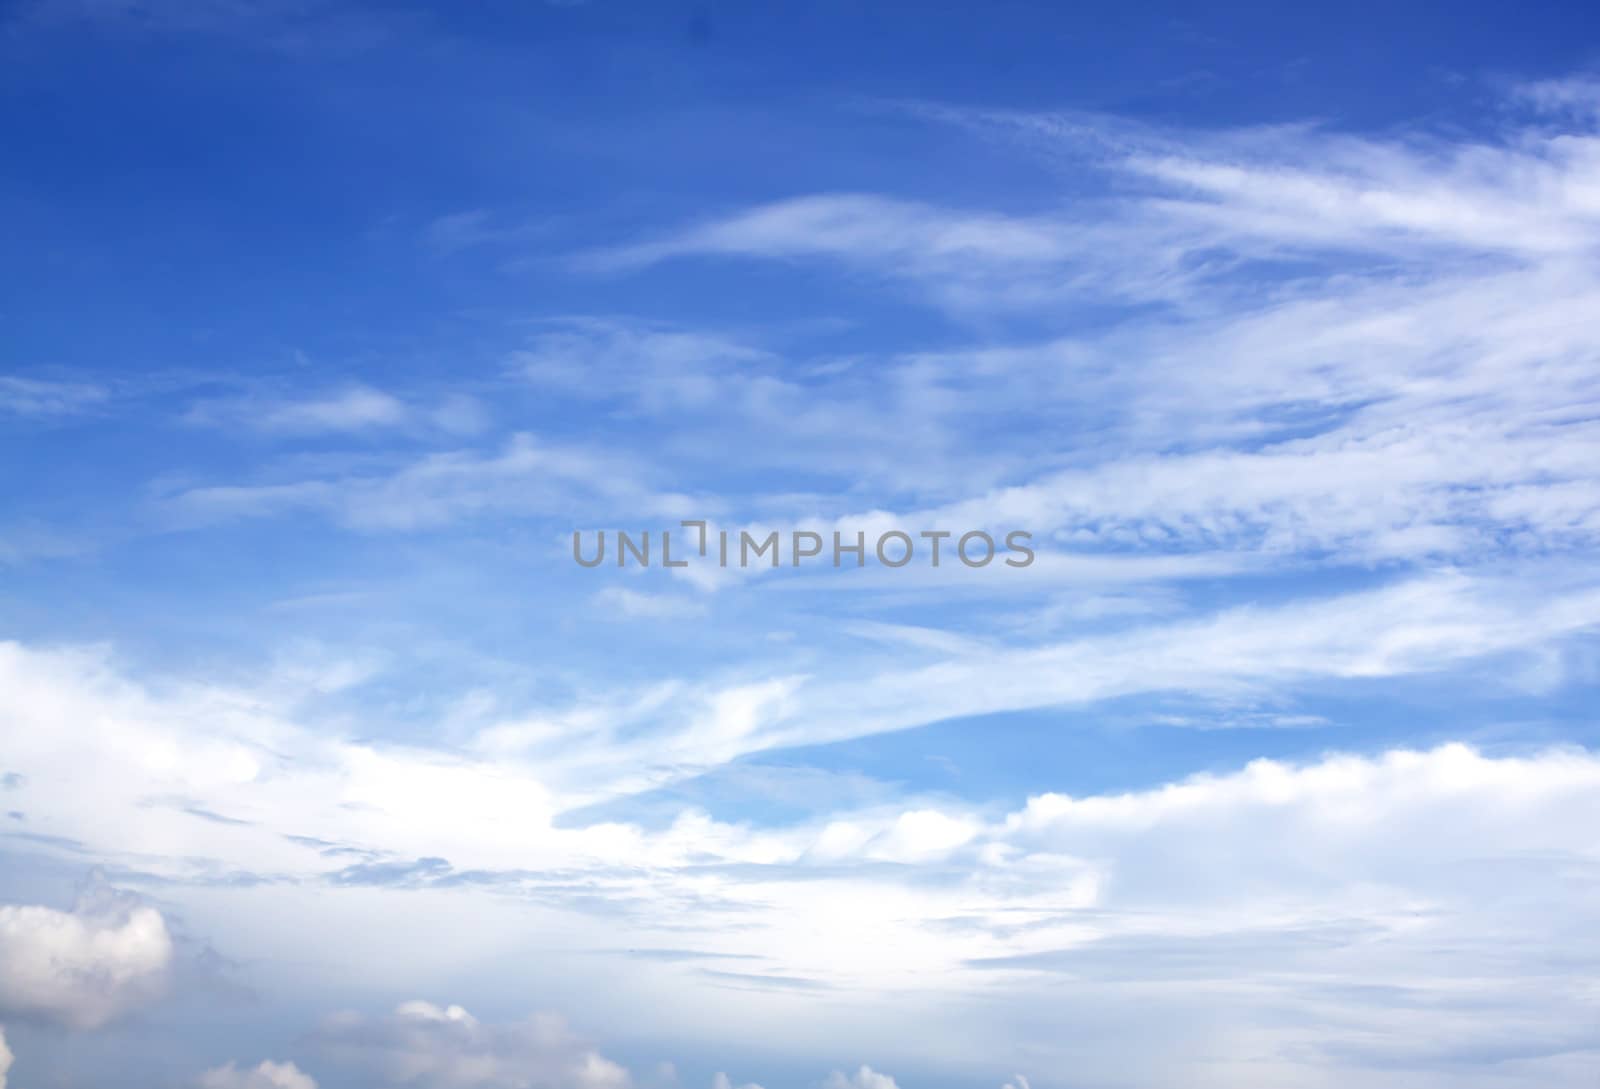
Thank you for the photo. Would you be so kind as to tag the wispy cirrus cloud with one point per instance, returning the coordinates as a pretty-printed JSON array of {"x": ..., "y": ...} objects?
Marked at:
[
  {"x": 352, "y": 409},
  {"x": 1182, "y": 216},
  {"x": 1402, "y": 373},
  {"x": 524, "y": 476},
  {"x": 1365, "y": 349},
  {"x": 36, "y": 397}
]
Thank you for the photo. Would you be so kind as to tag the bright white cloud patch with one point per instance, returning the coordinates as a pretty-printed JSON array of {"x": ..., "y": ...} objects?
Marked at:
[
  {"x": 354, "y": 409},
  {"x": 6, "y": 1058},
  {"x": 863, "y": 1078},
  {"x": 82, "y": 968},
  {"x": 268, "y": 1075},
  {"x": 434, "y": 1047},
  {"x": 1454, "y": 878},
  {"x": 722, "y": 1081}
]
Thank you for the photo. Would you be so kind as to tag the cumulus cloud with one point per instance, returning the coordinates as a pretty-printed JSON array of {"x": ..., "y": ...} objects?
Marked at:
[
  {"x": 922, "y": 835},
  {"x": 1425, "y": 865},
  {"x": 5, "y": 1058},
  {"x": 83, "y": 968},
  {"x": 720, "y": 1081},
  {"x": 445, "y": 1047},
  {"x": 269, "y": 1075},
  {"x": 864, "y": 1078}
]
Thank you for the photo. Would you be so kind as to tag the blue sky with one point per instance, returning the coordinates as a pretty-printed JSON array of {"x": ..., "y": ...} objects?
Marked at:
[{"x": 326, "y": 326}]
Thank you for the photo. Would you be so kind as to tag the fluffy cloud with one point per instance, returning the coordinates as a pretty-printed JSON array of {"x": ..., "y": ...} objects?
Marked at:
[
  {"x": 269, "y": 1075},
  {"x": 864, "y": 1078},
  {"x": 1408, "y": 842},
  {"x": 433, "y": 1047},
  {"x": 5, "y": 1058},
  {"x": 85, "y": 967},
  {"x": 720, "y": 1081},
  {"x": 1423, "y": 866}
]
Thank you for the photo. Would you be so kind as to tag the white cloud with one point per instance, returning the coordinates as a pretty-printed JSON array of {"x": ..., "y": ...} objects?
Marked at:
[
  {"x": 922, "y": 835},
  {"x": 1574, "y": 94},
  {"x": 641, "y": 605},
  {"x": 658, "y": 367},
  {"x": 352, "y": 409},
  {"x": 1364, "y": 351},
  {"x": 355, "y": 408},
  {"x": 1368, "y": 350},
  {"x": 864, "y": 1078},
  {"x": 1457, "y": 880},
  {"x": 720, "y": 1081},
  {"x": 83, "y": 968},
  {"x": 6, "y": 1058},
  {"x": 435, "y": 1047},
  {"x": 1372, "y": 355},
  {"x": 1247, "y": 193},
  {"x": 268, "y": 1075},
  {"x": 851, "y": 224},
  {"x": 90, "y": 742},
  {"x": 525, "y": 476},
  {"x": 39, "y": 397},
  {"x": 457, "y": 231},
  {"x": 705, "y": 392}
]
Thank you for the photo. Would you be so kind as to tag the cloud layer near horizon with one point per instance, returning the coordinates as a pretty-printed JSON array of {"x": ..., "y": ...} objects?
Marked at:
[{"x": 1297, "y": 417}]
